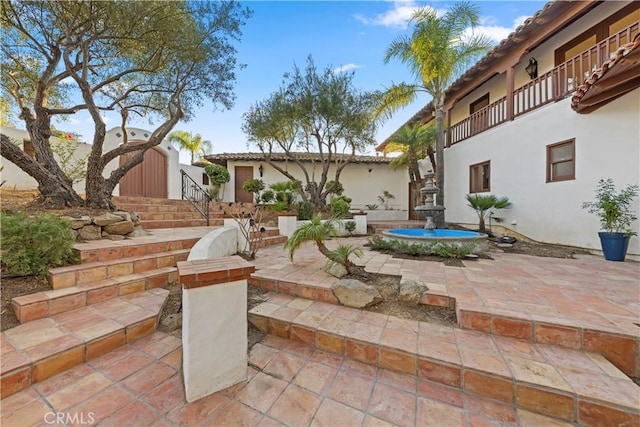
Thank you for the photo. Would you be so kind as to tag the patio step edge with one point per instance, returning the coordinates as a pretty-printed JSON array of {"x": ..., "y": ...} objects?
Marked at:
[
  {"x": 277, "y": 316},
  {"x": 79, "y": 336}
]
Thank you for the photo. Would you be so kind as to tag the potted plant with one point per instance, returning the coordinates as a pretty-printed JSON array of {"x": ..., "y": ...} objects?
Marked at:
[{"x": 614, "y": 210}]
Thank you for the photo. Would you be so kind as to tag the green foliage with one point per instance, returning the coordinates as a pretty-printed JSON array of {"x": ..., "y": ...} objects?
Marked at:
[
  {"x": 334, "y": 187},
  {"x": 255, "y": 186},
  {"x": 314, "y": 111},
  {"x": 412, "y": 249},
  {"x": 483, "y": 204},
  {"x": 380, "y": 244},
  {"x": 218, "y": 175},
  {"x": 614, "y": 208},
  {"x": 371, "y": 207},
  {"x": 305, "y": 210},
  {"x": 341, "y": 255},
  {"x": 384, "y": 199},
  {"x": 316, "y": 230},
  {"x": 350, "y": 226},
  {"x": 64, "y": 146},
  {"x": 340, "y": 206},
  {"x": 447, "y": 250},
  {"x": 285, "y": 191},
  {"x": 32, "y": 244},
  {"x": 267, "y": 196},
  {"x": 413, "y": 142},
  {"x": 278, "y": 207},
  {"x": 180, "y": 139}
]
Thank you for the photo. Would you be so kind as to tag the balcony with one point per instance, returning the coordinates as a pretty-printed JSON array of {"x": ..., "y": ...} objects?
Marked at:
[{"x": 552, "y": 86}]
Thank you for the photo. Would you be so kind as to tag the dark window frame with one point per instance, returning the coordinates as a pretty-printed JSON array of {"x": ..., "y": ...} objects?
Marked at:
[
  {"x": 480, "y": 188},
  {"x": 205, "y": 179},
  {"x": 483, "y": 99},
  {"x": 558, "y": 178}
]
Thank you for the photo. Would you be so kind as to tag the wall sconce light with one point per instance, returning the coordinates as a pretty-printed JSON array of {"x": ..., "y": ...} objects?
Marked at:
[
  {"x": 532, "y": 68},
  {"x": 260, "y": 170},
  {"x": 370, "y": 170}
]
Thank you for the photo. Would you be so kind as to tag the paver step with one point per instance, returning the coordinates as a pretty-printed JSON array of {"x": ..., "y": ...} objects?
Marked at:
[
  {"x": 102, "y": 251},
  {"x": 141, "y": 208},
  {"x": 135, "y": 200},
  {"x": 65, "y": 277},
  {"x": 567, "y": 384},
  {"x": 268, "y": 232},
  {"x": 171, "y": 223},
  {"x": 272, "y": 240},
  {"x": 49, "y": 303},
  {"x": 42, "y": 348}
]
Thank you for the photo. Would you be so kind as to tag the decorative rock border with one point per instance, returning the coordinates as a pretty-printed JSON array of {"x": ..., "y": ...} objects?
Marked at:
[{"x": 112, "y": 225}]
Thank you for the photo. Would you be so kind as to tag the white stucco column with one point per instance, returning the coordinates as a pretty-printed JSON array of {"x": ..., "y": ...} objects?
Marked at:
[
  {"x": 214, "y": 325},
  {"x": 287, "y": 224},
  {"x": 360, "y": 219}
]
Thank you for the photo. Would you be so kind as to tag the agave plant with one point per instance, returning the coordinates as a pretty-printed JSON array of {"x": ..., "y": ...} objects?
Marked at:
[{"x": 482, "y": 204}]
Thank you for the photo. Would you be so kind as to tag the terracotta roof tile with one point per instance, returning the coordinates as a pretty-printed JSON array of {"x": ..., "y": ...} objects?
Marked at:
[{"x": 223, "y": 158}]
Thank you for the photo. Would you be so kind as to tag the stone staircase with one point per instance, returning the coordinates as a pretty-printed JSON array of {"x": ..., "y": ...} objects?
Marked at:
[
  {"x": 114, "y": 297},
  {"x": 167, "y": 213},
  {"x": 570, "y": 385}
]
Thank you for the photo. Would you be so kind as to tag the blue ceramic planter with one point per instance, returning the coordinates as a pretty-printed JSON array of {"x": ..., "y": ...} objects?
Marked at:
[{"x": 614, "y": 245}]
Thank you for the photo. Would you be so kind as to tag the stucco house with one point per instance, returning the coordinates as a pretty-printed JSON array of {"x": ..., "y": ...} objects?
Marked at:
[
  {"x": 364, "y": 178},
  {"x": 157, "y": 176},
  {"x": 543, "y": 116}
]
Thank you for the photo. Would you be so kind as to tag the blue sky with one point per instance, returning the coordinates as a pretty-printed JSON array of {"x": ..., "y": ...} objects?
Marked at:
[{"x": 350, "y": 34}]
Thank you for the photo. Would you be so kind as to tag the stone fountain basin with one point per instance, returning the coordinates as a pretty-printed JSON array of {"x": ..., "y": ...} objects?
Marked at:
[{"x": 455, "y": 237}]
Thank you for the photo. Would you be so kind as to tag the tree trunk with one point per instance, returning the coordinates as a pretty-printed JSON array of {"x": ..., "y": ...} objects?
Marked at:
[
  {"x": 440, "y": 220},
  {"x": 481, "y": 226},
  {"x": 55, "y": 192},
  {"x": 432, "y": 159}
]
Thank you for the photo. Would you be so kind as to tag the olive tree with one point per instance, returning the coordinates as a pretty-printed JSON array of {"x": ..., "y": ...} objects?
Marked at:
[
  {"x": 157, "y": 60},
  {"x": 314, "y": 112}
]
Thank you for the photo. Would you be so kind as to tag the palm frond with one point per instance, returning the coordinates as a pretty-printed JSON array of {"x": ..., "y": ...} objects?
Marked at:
[{"x": 395, "y": 97}]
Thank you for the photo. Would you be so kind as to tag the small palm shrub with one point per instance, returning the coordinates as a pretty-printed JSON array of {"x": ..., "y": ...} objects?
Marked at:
[
  {"x": 33, "y": 244},
  {"x": 483, "y": 204},
  {"x": 350, "y": 226},
  {"x": 341, "y": 256}
]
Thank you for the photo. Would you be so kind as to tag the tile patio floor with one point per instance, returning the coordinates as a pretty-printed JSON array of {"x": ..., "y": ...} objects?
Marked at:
[
  {"x": 293, "y": 384},
  {"x": 289, "y": 384}
]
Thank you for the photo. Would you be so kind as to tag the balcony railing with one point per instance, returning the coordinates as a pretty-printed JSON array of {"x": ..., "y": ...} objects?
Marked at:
[{"x": 554, "y": 85}]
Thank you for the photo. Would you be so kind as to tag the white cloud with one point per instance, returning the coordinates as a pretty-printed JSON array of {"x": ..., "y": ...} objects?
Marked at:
[
  {"x": 397, "y": 17},
  {"x": 496, "y": 32},
  {"x": 346, "y": 67},
  {"x": 519, "y": 21},
  {"x": 67, "y": 81}
]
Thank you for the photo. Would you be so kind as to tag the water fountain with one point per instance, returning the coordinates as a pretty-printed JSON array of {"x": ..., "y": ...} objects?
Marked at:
[{"x": 431, "y": 234}]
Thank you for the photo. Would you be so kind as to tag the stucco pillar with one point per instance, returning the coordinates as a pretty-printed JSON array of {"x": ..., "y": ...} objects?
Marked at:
[
  {"x": 214, "y": 325},
  {"x": 360, "y": 218},
  {"x": 287, "y": 224}
]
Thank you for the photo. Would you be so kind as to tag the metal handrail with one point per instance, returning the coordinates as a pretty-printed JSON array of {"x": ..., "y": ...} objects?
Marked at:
[{"x": 198, "y": 197}]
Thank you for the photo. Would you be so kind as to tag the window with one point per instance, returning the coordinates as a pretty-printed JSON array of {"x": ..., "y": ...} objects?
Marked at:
[
  {"x": 561, "y": 164},
  {"x": 480, "y": 177},
  {"x": 479, "y": 104},
  {"x": 205, "y": 179}
]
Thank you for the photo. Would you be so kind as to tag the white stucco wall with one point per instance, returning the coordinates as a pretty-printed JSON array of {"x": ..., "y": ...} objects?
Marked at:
[
  {"x": 362, "y": 186},
  {"x": 18, "y": 179},
  {"x": 607, "y": 145}
]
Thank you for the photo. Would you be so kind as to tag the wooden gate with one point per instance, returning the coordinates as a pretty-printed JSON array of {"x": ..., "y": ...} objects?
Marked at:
[
  {"x": 242, "y": 174},
  {"x": 147, "y": 179}
]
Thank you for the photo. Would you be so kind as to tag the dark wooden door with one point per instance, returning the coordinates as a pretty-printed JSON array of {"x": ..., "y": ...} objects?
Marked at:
[
  {"x": 414, "y": 199},
  {"x": 242, "y": 174},
  {"x": 149, "y": 178}
]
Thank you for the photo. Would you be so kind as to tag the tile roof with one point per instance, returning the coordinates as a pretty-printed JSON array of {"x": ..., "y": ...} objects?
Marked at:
[
  {"x": 625, "y": 59},
  {"x": 223, "y": 158}
]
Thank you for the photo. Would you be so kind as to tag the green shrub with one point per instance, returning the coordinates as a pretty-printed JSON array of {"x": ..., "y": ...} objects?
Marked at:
[
  {"x": 33, "y": 244},
  {"x": 277, "y": 207},
  {"x": 267, "y": 196},
  {"x": 380, "y": 244},
  {"x": 451, "y": 250},
  {"x": 412, "y": 249},
  {"x": 305, "y": 210},
  {"x": 340, "y": 206},
  {"x": 350, "y": 226}
]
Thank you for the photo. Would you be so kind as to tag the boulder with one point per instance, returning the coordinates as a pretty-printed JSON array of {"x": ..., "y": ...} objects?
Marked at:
[
  {"x": 354, "y": 293},
  {"x": 78, "y": 223},
  {"x": 138, "y": 231},
  {"x": 90, "y": 232},
  {"x": 106, "y": 219},
  {"x": 336, "y": 270},
  {"x": 411, "y": 292},
  {"x": 172, "y": 322},
  {"x": 121, "y": 228},
  {"x": 124, "y": 215}
]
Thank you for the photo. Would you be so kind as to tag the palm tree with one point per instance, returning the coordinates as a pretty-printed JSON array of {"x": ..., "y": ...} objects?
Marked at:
[
  {"x": 483, "y": 203},
  {"x": 181, "y": 139},
  {"x": 437, "y": 52},
  {"x": 316, "y": 230},
  {"x": 414, "y": 142}
]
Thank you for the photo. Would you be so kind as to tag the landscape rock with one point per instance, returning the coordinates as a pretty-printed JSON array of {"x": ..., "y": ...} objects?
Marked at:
[
  {"x": 411, "y": 292},
  {"x": 138, "y": 231},
  {"x": 337, "y": 270},
  {"x": 90, "y": 232},
  {"x": 126, "y": 216},
  {"x": 78, "y": 223},
  {"x": 172, "y": 322},
  {"x": 106, "y": 219},
  {"x": 354, "y": 293},
  {"x": 121, "y": 228}
]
